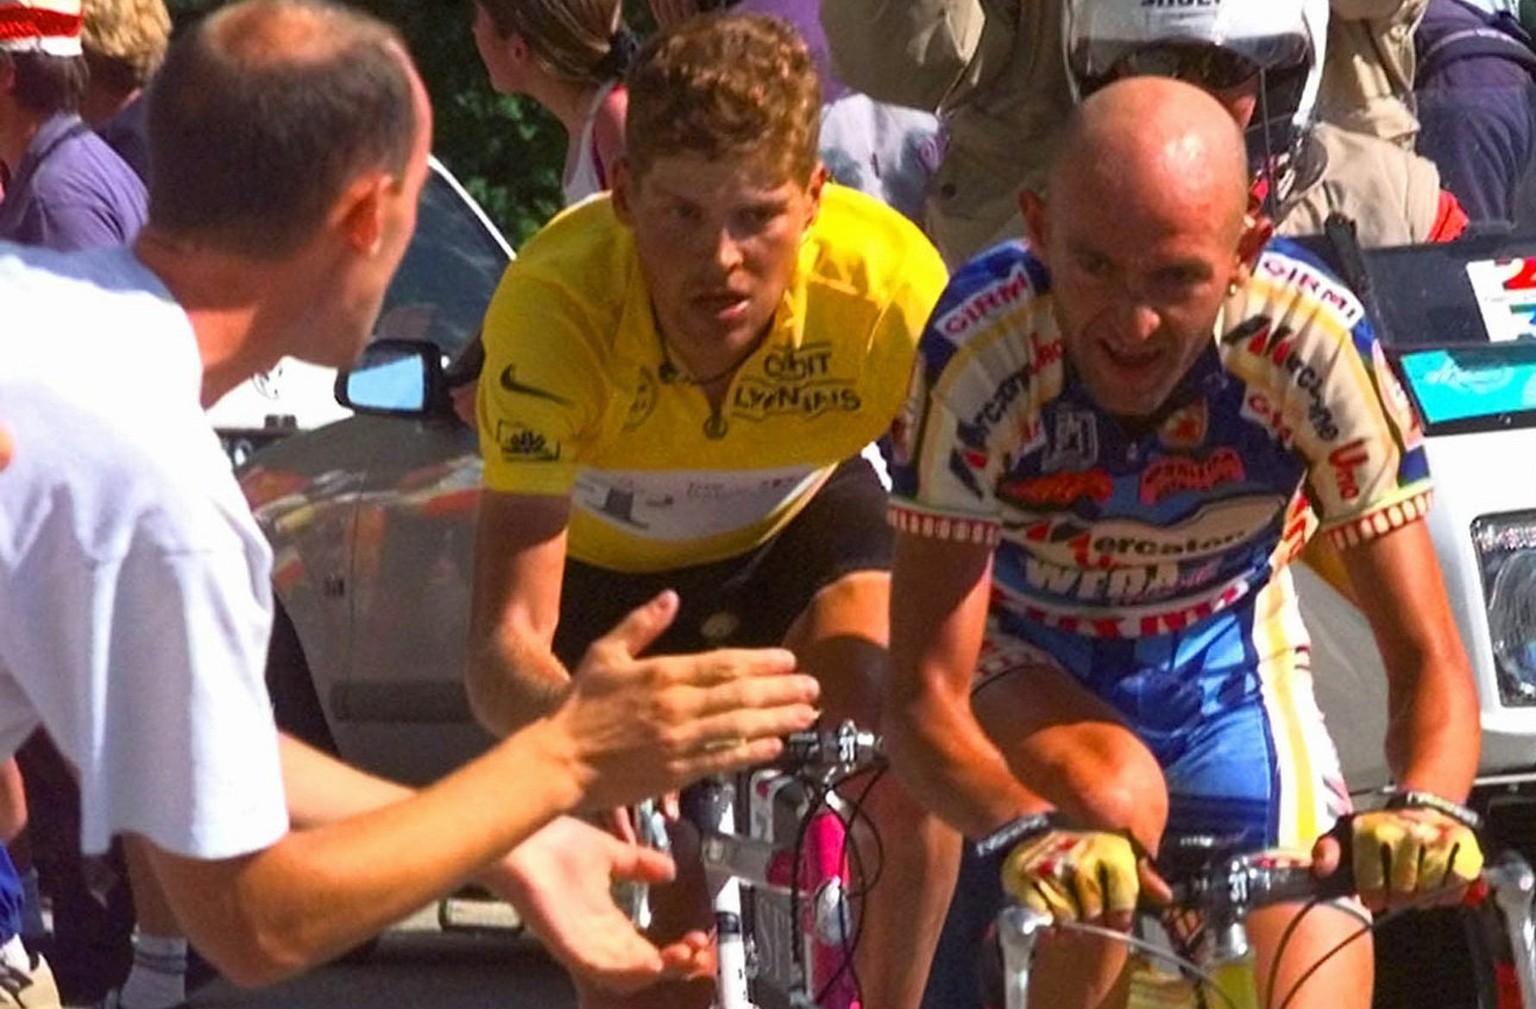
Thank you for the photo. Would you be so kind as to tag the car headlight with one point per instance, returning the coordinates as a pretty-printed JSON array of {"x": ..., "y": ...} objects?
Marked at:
[{"x": 1506, "y": 552}]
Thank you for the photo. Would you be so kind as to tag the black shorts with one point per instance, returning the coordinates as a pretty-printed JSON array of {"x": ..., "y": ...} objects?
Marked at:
[{"x": 748, "y": 601}]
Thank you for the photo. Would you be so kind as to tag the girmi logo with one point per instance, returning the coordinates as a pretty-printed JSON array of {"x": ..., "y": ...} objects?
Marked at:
[{"x": 522, "y": 444}]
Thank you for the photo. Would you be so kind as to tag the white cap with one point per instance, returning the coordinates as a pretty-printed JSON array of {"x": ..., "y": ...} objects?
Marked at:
[{"x": 41, "y": 26}]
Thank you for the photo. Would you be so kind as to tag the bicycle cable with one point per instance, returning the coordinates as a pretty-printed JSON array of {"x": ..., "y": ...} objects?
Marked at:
[
  {"x": 850, "y": 933},
  {"x": 1290, "y": 933},
  {"x": 1372, "y": 926}
]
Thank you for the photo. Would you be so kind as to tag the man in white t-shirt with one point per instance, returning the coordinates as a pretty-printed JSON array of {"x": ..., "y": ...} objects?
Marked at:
[{"x": 290, "y": 140}]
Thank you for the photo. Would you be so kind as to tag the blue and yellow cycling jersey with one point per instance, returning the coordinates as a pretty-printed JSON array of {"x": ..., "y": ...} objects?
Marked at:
[{"x": 1289, "y": 419}]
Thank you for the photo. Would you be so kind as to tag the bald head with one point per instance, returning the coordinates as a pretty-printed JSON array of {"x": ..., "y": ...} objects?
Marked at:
[{"x": 1149, "y": 141}]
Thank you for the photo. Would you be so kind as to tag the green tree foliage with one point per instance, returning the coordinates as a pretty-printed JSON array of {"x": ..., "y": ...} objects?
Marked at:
[{"x": 507, "y": 151}]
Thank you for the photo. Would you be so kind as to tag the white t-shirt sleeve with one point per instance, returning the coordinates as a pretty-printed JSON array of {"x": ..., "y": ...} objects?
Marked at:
[{"x": 184, "y": 749}]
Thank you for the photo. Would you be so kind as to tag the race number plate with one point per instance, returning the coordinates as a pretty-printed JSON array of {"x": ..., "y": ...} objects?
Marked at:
[{"x": 1506, "y": 296}]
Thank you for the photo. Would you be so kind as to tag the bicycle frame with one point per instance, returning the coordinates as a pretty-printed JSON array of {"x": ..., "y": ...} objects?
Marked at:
[
  {"x": 760, "y": 967},
  {"x": 779, "y": 885},
  {"x": 1510, "y": 883}
]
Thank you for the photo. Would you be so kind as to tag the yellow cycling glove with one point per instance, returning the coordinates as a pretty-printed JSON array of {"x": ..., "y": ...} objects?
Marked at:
[
  {"x": 1071, "y": 874},
  {"x": 1417, "y": 846}
]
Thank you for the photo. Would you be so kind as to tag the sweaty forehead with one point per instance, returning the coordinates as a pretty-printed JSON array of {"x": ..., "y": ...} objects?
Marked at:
[{"x": 1149, "y": 141}]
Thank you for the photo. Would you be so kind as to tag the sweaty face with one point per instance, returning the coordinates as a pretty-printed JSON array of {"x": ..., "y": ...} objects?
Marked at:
[
  {"x": 718, "y": 242},
  {"x": 1138, "y": 282}
]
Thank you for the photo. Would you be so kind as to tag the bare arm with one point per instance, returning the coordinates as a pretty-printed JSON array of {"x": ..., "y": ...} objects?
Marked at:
[
  {"x": 630, "y": 728},
  {"x": 1432, "y": 729},
  {"x": 939, "y": 596},
  {"x": 513, "y": 676},
  {"x": 316, "y": 892}
]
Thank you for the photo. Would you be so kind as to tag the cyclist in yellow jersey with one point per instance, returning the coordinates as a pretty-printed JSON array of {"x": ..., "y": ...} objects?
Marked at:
[{"x": 681, "y": 386}]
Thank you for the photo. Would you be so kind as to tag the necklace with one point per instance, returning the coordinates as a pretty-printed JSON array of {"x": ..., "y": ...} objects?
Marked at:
[{"x": 670, "y": 373}]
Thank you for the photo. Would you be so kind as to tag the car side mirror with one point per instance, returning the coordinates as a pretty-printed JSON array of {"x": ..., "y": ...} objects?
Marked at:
[{"x": 395, "y": 378}]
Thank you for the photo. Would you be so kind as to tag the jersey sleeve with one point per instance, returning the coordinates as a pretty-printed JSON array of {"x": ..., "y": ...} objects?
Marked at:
[
  {"x": 1374, "y": 478},
  {"x": 540, "y": 396},
  {"x": 970, "y": 403},
  {"x": 1315, "y": 354},
  {"x": 894, "y": 339}
]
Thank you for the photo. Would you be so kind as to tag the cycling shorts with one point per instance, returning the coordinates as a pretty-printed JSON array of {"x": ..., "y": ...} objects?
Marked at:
[
  {"x": 747, "y": 601},
  {"x": 1226, "y": 706}
]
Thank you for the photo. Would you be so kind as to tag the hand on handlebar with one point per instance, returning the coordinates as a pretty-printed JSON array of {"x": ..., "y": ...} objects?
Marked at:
[
  {"x": 1417, "y": 855},
  {"x": 1073, "y": 875}
]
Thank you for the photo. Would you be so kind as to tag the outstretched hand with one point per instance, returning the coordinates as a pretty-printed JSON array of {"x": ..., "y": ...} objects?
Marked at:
[
  {"x": 560, "y": 882},
  {"x": 645, "y": 726}
]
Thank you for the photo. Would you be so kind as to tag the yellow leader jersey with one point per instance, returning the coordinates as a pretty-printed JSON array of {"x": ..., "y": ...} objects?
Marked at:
[{"x": 574, "y": 398}]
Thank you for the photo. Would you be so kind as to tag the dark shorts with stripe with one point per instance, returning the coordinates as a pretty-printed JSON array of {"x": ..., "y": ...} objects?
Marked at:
[{"x": 746, "y": 601}]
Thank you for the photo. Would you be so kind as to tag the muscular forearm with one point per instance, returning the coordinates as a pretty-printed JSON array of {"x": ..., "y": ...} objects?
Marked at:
[
  {"x": 319, "y": 891},
  {"x": 950, "y": 767},
  {"x": 512, "y": 682},
  {"x": 1433, "y": 734}
]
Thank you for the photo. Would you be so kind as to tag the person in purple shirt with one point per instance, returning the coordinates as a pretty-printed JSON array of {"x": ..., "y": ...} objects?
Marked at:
[{"x": 66, "y": 189}]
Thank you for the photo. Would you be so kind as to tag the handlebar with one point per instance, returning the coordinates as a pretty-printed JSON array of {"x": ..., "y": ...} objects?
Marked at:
[{"x": 846, "y": 749}]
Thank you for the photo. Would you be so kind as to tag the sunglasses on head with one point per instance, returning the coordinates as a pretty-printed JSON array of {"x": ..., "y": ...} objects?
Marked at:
[{"x": 1205, "y": 66}]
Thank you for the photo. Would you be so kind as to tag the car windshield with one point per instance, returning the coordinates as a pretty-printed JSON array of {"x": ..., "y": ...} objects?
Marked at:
[
  {"x": 1456, "y": 384},
  {"x": 449, "y": 273}
]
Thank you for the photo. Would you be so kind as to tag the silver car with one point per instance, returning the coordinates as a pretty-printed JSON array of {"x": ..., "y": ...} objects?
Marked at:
[{"x": 371, "y": 522}]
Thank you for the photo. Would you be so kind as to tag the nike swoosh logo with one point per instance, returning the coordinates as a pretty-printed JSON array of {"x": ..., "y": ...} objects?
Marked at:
[{"x": 510, "y": 383}]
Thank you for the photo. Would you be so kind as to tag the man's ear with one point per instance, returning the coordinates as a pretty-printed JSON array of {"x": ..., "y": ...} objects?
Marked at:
[
  {"x": 360, "y": 212},
  {"x": 1036, "y": 221},
  {"x": 621, "y": 191},
  {"x": 819, "y": 177},
  {"x": 1258, "y": 229}
]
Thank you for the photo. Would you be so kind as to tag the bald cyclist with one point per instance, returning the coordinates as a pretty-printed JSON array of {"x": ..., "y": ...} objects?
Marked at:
[{"x": 1117, "y": 437}]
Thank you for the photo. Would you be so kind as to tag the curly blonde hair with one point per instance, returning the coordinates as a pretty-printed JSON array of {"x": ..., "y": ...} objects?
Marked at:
[
  {"x": 125, "y": 40},
  {"x": 723, "y": 85}
]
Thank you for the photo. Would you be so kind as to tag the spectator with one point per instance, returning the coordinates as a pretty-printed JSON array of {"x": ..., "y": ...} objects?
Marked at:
[
  {"x": 569, "y": 56},
  {"x": 124, "y": 42},
  {"x": 67, "y": 188},
  {"x": 888, "y": 151},
  {"x": 995, "y": 72},
  {"x": 1476, "y": 89},
  {"x": 1264, "y": 63},
  {"x": 25, "y": 977},
  {"x": 1368, "y": 74},
  {"x": 290, "y": 140}
]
